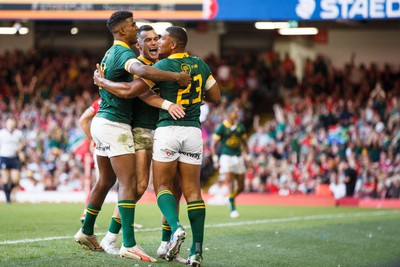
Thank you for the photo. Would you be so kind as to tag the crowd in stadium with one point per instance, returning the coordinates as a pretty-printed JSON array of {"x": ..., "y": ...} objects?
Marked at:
[{"x": 335, "y": 126}]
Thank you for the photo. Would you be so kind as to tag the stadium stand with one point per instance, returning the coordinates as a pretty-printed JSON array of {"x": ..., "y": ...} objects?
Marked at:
[{"x": 332, "y": 120}]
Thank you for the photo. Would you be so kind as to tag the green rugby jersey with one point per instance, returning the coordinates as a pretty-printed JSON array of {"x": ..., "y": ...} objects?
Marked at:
[
  {"x": 114, "y": 108},
  {"x": 231, "y": 138},
  {"x": 143, "y": 115},
  {"x": 189, "y": 96}
]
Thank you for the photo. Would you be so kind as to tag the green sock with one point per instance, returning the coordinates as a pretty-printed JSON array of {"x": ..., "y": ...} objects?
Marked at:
[
  {"x": 165, "y": 232},
  {"x": 115, "y": 225},
  {"x": 167, "y": 204},
  {"x": 127, "y": 211},
  {"x": 90, "y": 219},
  {"x": 197, "y": 216},
  {"x": 232, "y": 201}
]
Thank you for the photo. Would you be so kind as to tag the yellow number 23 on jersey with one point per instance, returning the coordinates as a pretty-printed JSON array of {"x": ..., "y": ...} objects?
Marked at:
[{"x": 182, "y": 92}]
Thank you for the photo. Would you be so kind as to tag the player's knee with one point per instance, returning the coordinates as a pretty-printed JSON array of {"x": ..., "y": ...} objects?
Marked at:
[{"x": 141, "y": 189}]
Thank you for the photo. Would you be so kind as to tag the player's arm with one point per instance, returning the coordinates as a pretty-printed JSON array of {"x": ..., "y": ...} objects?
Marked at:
[
  {"x": 121, "y": 89},
  {"x": 84, "y": 121},
  {"x": 216, "y": 138},
  {"x": 212, "y": 93},
  {"x": 147, "y": 72},
  {"x": 152, "y": 99},
  {"x": 245, "y": 147}
]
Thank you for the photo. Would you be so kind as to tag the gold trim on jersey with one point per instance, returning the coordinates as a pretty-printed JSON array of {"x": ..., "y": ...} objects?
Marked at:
[
  {"x": 216, "y": 136},
  {"x": 227, "y": 124},
  {"x": 179, "y": 55},
  {"x": 146, "y": 61},
  {"x": 118, "y": 42}
]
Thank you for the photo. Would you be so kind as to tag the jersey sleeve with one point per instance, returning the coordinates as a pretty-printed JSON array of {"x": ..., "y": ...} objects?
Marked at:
[
  {"x": 130, "y": 58},
  {"x": 129, "y": 63},
  {"x": 218, "y": 132},
  {"x": 210, "y": 80}
]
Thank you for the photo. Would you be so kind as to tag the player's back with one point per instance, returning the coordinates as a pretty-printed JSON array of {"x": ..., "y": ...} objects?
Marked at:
[{"x": 189, "y": 96}]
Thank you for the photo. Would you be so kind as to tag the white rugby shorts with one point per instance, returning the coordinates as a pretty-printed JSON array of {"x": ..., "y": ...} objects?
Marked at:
[
  {"x": 181, "y": 143},
  {"x": 232, "y": 164},
  {"x": 111, "y": 138}
]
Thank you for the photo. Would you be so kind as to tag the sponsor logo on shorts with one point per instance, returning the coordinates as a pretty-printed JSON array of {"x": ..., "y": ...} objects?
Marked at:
[
  {"x": 103, "y": 148},
  {"x": 170, "y": 153},
  {"x": 192, "y": 155}
]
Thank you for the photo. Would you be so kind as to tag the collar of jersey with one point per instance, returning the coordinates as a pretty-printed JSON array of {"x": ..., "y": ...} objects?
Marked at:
[
  {"x": 118, "y": 42},
  {"x": 227, "y": 124},
  {"x": 145, "y": 60},
  {"x": 179, "y": 55}
]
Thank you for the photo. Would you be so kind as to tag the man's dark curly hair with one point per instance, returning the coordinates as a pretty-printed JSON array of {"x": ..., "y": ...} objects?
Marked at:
[
  {"x": 179, "y": 34},
  {"x": 118, "y": 17}
]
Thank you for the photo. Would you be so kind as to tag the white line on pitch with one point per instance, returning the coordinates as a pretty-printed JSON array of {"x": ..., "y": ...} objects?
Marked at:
[{"x": 240, "y": 223}]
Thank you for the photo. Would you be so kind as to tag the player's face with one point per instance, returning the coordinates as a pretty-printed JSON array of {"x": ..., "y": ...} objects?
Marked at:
[
  {"x": 131, "y": 30},
  {"x": 166, "y": 43},
  {"x": 11, "y": 124},
  {"x": 148, "y": 45},
  {"x": 234, "y": 114}
]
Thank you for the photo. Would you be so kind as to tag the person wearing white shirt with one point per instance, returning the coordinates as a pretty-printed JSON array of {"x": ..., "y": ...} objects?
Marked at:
[
  {"x": 337, "y": 187},
  {"x": 12, "y": 142}
]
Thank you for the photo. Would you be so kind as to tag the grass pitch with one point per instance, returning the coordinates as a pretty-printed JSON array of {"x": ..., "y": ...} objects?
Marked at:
[{"x": 42, "y": 235}]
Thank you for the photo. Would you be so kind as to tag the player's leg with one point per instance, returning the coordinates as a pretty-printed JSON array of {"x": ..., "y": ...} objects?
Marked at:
[
  {"x": 165, "y": 228},
  {"x": 6, "y": 179},
  {"x": 230, "y": 181},
  {"x": 165, "y": 163},
  {"x": 99, "y": 192},
  {"x": 162, "y": 173},
  {"x": 15, "y": 176},
  {"x": 190, "y": 182},
  {"x": 107, "y": 135},
  {"x": 189, "y": 169},
  {"x": 125, "y": 169},
  {"x": 143, "y": 139},
  {"x": 96, "y": 173},
  {"x": 110, "y": 241},
  {"x": 143, "y": 143},
  {"x": 236, "y": 183},
  {"x": 143, "y": 161}
]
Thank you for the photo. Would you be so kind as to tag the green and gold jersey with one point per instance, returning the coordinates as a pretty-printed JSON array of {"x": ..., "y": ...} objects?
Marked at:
[
  {"x": 231, "y": 138},
  {"x": 191, "y": 96},
  {"x": 114, "y": 108},
  {"x": 143, "y": 115}
]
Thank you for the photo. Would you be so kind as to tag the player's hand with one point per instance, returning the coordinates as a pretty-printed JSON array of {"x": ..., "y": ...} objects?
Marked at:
[
  {"x": 177, "y": 111},
  {"x": 98, "y": 75},
  {"x": 184, "y": 78},
  {"x": 215, "y": 162}
]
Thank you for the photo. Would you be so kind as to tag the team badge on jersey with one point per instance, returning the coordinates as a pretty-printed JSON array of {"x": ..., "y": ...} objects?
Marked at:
[{"x": 186, "y": 68}]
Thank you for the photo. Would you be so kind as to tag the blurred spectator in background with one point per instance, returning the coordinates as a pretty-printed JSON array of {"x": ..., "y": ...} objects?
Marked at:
[
  {"x": 12, "y": 143},
  {"x": 331, "y": 117},
  {"x": 337, "y": 187},
  {"x": 218, "y": 192}
]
